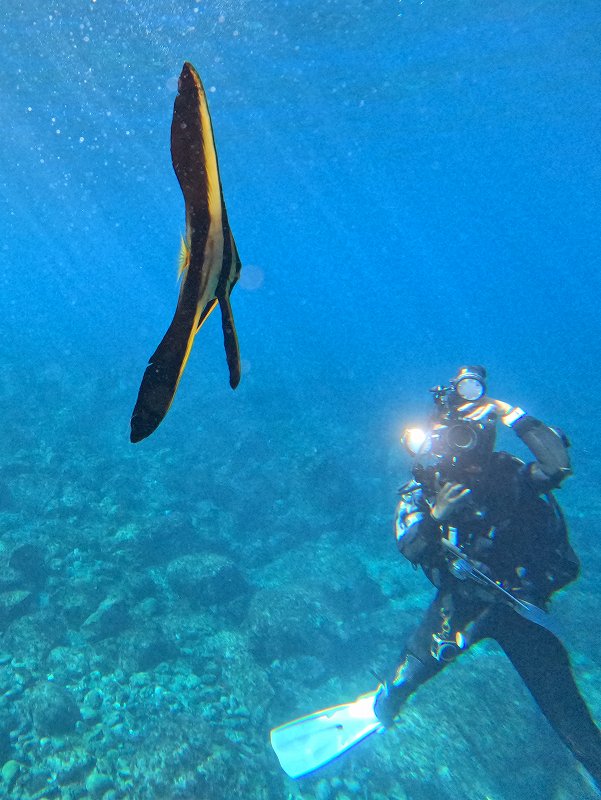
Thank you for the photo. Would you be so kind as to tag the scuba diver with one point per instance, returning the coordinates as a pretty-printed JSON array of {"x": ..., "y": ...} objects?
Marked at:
[{"x": 488, "y": 533}]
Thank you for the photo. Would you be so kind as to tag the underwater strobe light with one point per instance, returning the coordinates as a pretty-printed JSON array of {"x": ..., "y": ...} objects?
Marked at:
[
  {"x": 416, "y": 441},
  {"x": 470, "y": 383}
]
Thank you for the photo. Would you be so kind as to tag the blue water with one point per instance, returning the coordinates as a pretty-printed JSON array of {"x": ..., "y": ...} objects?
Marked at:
[{"x": 412, "y": 185}]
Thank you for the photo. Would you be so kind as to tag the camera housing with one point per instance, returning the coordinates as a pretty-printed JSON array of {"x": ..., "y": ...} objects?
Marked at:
[
  {"x": 454, "y": 438},
  {"x": 463, "y": 442}
]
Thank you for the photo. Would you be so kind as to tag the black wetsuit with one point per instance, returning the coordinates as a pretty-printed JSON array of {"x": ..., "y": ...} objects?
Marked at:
[{"x": 514, "y": 531}]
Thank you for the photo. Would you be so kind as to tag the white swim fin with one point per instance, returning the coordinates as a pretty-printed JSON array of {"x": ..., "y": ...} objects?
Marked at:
[{"x": 307, "y": 743}]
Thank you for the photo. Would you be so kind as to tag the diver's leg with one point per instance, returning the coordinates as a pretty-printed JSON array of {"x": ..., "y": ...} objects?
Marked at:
[
  {"x": 544, "y": 665},
  {"x": 410, "y": 674},
  {"x": 428, "y": 650}
]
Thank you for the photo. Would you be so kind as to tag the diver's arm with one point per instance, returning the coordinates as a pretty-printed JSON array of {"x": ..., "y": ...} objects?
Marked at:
[
  {"x": 417, "y": 533},
  {"x": 549, "y": 447}
]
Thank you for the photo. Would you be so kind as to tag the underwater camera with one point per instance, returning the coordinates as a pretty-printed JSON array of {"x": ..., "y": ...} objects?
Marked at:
[
  {"x": 451, "y": 436},
  {"x": 459, "y": 437},
  {"x": 460, "y": 440}
]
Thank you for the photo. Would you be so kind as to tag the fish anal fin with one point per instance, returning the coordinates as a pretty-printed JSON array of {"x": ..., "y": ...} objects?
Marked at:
[{"x": 230, "y": 341}]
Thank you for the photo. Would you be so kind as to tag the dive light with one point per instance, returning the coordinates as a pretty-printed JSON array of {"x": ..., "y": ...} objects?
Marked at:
[
  {"x": 416, "y": 441},
  {"x": 470, "y": 383}
]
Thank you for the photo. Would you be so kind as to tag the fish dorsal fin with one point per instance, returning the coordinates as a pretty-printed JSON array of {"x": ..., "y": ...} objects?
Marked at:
[{"x": 184, "y": 257}]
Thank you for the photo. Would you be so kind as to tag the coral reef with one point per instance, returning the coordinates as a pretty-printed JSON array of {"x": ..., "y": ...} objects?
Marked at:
[{"x": 154, "y": 632}]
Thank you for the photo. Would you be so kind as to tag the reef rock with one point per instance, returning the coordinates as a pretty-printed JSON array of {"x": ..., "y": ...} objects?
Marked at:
[
  {"x": 287, "y": 623},
  {"x": 53, "y": 710},
  {"x": 174, "y": 536},
  {"x": 109, "y": 619},
  {"x": 29, "y": 561},
  {"x": 206, "y": 579},
  {"x": 13, "y": 604}
]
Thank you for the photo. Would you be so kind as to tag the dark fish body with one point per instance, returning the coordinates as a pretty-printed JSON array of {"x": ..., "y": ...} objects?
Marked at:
[{"x": 211, "y": 266}]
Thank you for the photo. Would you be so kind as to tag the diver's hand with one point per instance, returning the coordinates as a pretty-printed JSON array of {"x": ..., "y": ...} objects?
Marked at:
[
  {"x": 450, "y": 498},
  {"x": 486, "y": 407}
]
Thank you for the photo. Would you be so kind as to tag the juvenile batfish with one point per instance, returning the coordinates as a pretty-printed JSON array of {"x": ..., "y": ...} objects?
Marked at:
[{"x": 209, "y": 265}]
